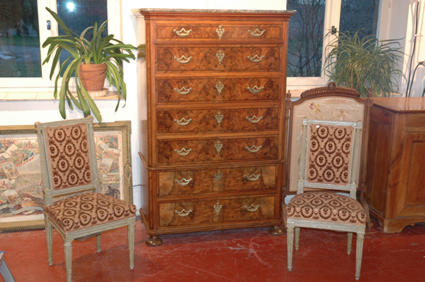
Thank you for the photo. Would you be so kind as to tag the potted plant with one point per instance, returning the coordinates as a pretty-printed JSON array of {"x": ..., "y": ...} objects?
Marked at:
[
  {"x": 363, "y": 63},
  {"x": 102, "y": 54}
]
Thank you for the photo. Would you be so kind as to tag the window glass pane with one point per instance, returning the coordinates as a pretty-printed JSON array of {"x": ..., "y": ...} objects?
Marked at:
[
  {"x": 306, "y": 37},
  {"x": 19, "y": 39},
  {"x": 80, "y": 14},
  {"x": 359, "y": 15}
]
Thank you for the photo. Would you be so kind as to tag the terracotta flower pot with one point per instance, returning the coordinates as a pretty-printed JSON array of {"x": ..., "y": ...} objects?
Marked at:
[{"x": 93, "y": 76}]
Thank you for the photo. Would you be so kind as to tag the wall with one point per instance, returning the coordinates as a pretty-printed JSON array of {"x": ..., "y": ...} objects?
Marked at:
[{"x": 396, "y": 21}]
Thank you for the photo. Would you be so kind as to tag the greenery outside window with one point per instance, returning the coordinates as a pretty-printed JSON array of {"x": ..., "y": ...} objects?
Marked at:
[
  {"x": 314, "y": 26},
  {"x": 25, "y": 25}
]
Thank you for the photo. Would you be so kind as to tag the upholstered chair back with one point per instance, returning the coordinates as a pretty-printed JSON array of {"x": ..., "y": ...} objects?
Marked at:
[
  {"x": 69, "y": 149},
  {"x": 330, "y": 157},
  {"x": 327, "y": 104}
]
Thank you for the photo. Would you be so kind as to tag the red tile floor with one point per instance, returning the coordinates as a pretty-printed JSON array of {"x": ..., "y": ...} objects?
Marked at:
[{"x": 233, "y": 255}]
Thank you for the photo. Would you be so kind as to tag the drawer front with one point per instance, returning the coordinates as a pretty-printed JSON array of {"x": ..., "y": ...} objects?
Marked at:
[
  {"x": 228, "y": 120},
  {"x": 183, "y": 213},
  {"x": 217, "y": 89},
  {"x": 194, "y": 58},
  {"x": 186, "y": 32},
  {"x": 214, "y": 180},
  {"x": 189, "y": 151}
]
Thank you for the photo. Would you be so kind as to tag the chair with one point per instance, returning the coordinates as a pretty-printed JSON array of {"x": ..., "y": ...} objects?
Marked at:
[
  {"x": 4, "y": 270},
  {"x": 328, "y": 159},
  {"x": 73, "y": 204}
]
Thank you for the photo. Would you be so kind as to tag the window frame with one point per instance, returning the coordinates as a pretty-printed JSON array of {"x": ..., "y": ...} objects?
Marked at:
[
  {"x": 332, "y": 18},
  {"x": 43, "y": 83}
]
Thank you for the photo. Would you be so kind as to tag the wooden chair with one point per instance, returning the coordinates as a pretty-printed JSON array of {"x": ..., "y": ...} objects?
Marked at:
[
  {"x": 329, "y": 160},
  {"x": 74, "y": 205}
]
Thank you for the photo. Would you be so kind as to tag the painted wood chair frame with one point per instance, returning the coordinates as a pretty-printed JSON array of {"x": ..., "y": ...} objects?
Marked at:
[
  {"x": 4, "y": 269},
  {"x": 328, "y": 104},
  {"x": 52, "y": 195},
  {"x": 294, "y": 224}
]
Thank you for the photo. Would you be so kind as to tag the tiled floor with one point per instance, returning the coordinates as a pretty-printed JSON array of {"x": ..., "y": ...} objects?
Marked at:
[{"x": 233, "y": 255}]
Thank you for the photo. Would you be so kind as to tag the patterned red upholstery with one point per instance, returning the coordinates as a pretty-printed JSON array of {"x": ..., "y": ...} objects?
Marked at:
[
  {"x": 329, "y": 154},
  {"x": 326, "y": 206},
  {"x": 68, "y": 156},
  {"x": 87, "y": 210}
]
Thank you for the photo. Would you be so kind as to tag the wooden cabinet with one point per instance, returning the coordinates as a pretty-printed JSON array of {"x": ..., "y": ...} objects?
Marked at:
[
  {"x": 396, "y": 162},
  {"x": 213, "y": 154}
]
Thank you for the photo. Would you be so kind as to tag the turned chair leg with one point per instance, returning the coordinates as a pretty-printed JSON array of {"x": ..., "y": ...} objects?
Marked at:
[
  {"x": 98, "y": 239},
  {"x": 297, "y": 238},
  {"x": 131, "y": 243},
  {"x": 4, "y": 270},
  {"x": 68, "y": 260},
  {"x": 349, "y": 242},
  {"x": 359, "y": 253},
  {"x": 290, "y": 243},
  {"x": 49, "y": 240}
]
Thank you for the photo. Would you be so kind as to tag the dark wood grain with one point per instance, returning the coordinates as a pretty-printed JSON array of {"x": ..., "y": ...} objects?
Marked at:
[{"x": 205, "y": 89}]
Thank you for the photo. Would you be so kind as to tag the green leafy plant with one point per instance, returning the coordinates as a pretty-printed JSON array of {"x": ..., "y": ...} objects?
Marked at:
[
  {"x": 363, "y": 63},
  {"x": 98, "y": 49}
]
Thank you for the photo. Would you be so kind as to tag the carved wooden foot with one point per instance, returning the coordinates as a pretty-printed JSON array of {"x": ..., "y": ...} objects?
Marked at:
[
  {"x": 276, "y": 230},
  {"x": 153, "y": 241}
]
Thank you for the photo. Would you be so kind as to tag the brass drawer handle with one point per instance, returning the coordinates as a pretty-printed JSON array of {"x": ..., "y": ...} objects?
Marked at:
[
  {"x": 183, "y": 90},
  {"x": 183, "y": 181},
  {"x": 257, "y": 32},
  {"x": 254, "y": 119},
  {"x": 220, "y": 31},
  {"x": 183, "y": 121},
  {"x": 255, "y": 58},
  {"x": 253, "y": 148},
  {"x": 183, "y": 152},
  {"x": 252, "y": 207},
  {"x": 182, "y": 32},
  {"x": 220, "y": 56},
  {"x": 183, "y": 59},
  {"x": 252, "y": 177},
  {"x": 183, "y": 212},
  {"x": 255, "y": 89}
]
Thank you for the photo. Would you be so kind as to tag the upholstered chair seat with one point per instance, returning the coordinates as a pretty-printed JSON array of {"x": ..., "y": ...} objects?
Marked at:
[
  {"x": 88, "y": 210},
  {"x": 326, "y": 207}
]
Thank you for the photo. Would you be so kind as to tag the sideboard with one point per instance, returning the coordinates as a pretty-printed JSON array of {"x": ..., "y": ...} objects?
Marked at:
[{"x": 396, "y": 162}]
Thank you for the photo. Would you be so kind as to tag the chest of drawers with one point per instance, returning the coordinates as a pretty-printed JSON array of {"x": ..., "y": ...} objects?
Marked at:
[{"x": 213, "y": 150}]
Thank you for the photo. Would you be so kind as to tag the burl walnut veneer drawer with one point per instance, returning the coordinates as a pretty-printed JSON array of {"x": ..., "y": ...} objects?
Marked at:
[
  {"x": 219, "y": 120},
  {"x": 185, "y": 31},
  {"x": 217, "y": 149},
  {"x": 214, "y": 180},
  {"x": 195, "y": 58},
  {"x": 197, "y": 212},
  {"x": 217, "y": 89}
]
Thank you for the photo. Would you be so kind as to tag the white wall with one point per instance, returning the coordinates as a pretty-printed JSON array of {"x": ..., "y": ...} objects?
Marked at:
[{"x": 397, "y": 22}]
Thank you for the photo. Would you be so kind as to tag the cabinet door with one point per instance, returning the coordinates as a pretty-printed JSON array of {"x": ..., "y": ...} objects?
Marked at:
[{"x": 410, "y": 192}]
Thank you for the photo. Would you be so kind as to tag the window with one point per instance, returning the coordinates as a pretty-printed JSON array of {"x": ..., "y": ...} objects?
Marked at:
[
  {"x": 313, "y": 27},
  {"x": 25, "y": 25}
]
